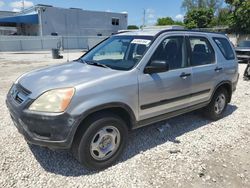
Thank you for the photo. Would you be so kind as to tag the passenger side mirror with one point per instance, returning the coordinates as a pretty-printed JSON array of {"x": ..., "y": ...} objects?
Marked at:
[{"x": 156, "y": 67}]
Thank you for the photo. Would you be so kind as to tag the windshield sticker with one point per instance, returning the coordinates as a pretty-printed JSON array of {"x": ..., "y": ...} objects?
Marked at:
[{"x": 141, "y": 41}]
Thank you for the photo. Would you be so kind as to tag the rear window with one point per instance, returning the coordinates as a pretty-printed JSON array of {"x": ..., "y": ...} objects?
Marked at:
[{"x": 225, "y": 48}]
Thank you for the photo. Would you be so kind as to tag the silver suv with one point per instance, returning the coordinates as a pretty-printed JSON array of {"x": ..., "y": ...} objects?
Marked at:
[{"x": 129, "y": 80}]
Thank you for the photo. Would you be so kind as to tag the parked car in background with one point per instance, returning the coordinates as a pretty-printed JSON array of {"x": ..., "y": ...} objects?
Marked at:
[
  {"x": 243, "y": 51},
  {"x": 128, "y": 81}
]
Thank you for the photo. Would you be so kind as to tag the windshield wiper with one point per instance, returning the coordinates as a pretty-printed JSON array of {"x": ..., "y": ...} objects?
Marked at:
[
  {"x": 96, "y": 64},
  {"x": 92, "y": 63}
]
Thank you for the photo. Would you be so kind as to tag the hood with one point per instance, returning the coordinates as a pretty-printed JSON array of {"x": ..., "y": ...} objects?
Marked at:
[{"x": 63, "y": 75}]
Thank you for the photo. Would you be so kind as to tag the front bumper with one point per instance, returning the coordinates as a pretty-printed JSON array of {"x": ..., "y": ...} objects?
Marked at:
[{"x": 45, "y": 129}]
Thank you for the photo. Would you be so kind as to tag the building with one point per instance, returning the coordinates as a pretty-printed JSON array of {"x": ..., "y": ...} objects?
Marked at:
[
  {"x": 44, "y": 20},
  {"x": 5, "y": 30}
]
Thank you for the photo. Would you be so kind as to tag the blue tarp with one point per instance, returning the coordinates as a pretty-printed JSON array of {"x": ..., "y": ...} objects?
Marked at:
[{"x": 25, "y": 19}]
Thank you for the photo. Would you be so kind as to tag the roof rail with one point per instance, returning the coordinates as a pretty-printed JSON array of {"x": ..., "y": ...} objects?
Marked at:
[{"x": 185, "y": 30}]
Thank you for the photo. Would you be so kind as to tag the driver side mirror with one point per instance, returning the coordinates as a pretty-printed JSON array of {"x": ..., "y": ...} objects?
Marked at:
[{"x": 156, "y": 67}]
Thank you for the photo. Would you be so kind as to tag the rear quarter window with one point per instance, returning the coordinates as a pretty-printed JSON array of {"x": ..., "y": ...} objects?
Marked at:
[{"x": 225, "y": 48}]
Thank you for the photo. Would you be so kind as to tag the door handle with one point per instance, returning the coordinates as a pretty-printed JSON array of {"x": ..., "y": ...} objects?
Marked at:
[
  {"x": 218, "y": 69},
  {"x": 185, "y": 75}
]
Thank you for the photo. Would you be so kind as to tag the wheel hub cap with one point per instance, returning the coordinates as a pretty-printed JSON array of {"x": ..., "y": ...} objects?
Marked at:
[
  {"x": 220, "y": 103},
  {"x": 105, "y": 143}
]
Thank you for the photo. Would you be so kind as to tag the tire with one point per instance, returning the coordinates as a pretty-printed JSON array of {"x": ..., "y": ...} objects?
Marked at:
[
  {"x": 213, "y": 111},
  {"x": 102, "y": 143}
]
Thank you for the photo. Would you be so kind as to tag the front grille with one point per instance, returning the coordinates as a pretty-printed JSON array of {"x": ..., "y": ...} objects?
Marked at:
[{"x": 19, "y": 93}]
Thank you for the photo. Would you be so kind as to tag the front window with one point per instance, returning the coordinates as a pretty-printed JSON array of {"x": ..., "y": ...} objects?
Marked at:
[{"x": 119, "y": 52}]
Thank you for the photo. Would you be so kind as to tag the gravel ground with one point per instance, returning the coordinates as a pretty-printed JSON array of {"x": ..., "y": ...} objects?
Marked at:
[{"x": 186, "y": 151}]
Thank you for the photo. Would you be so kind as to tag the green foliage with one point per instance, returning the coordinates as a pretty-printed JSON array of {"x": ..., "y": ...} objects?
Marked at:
[
  {"x": 165, "y": 21},
  {"x": 194, "y": 4},
  {"x": 168, "y": 21},
  {"x": 199, "y": 18},
  {"x": 223, "y": 18},
  {"x": 239, "y": 20},
  {"x": 133, "y": 27}
]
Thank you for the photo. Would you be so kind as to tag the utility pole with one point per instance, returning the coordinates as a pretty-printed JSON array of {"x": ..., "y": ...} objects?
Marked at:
[
  {"x": 144, "y": 18},
  {"x": 22, "y": 5}
]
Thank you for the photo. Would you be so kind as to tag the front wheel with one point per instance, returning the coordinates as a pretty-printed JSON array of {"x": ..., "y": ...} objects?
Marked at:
[
  {"x": 218, "y": 105},
  {"x": 103, "y": 141}
]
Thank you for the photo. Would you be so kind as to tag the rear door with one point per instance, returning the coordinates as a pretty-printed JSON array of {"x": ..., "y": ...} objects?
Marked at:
[{"x": 205, "y": 71}]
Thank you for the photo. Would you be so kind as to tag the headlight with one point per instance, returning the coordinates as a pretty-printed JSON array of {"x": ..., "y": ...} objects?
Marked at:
[{"x": 53, "y": 101}]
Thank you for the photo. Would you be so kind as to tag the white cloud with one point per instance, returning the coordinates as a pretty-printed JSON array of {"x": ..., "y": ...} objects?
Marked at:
[
  {"x": 124, "y": 12},
  {"x": 2, "y": 3},
  {"x": 16, "y": 10},
  {"x": 150, "y": 16},
  {"x": 179, "y": 17},
  {"x": 19, "y": 4}
]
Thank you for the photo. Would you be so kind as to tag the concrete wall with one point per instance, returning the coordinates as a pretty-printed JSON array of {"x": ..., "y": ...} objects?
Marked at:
[
  {"x": 77, "y": 22},
  {"x": 235, "y": 39},
  {"x": 30, "y": 43}
]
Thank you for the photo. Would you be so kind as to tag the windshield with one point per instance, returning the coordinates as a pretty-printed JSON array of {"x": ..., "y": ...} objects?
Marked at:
[
  {"x": 119, "y": 52},
  {"x": 244, "y": 44}
]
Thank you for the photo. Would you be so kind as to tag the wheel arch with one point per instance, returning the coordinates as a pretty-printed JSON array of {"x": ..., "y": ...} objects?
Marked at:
[
  {"x": 228, "y": 86},
  {"x": 120, "y": 109}
]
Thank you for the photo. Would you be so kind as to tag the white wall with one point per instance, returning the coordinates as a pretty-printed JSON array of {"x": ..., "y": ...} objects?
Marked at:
[
  {"x": 235, "y": 39},
  {"x": 31, "y": 43}
]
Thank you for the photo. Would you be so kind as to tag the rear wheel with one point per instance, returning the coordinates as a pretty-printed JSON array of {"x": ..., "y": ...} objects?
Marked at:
[
  {"x": 102, "y": 142},
  {"x": 216, "y": 108}
]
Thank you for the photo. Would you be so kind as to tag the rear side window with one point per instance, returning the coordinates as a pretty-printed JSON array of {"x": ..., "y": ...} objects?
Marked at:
[
  {"x": 225, "y": 48},
  {"x": 202, "y": 52}
]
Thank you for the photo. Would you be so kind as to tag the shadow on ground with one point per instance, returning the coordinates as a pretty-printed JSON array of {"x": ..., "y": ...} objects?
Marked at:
[{"x": 62, "y": 162}]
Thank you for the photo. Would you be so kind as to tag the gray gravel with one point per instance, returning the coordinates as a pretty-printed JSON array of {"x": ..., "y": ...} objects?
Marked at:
[{"x": 186, "y": 151}]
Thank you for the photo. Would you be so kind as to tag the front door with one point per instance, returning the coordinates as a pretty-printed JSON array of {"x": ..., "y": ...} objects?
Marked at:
[{"x": 161, "y": 93}]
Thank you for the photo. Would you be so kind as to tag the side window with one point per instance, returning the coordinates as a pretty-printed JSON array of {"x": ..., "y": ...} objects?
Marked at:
[
  {"x": 202, "y": 52},
  {"x": 173, "y": 51},
  {"x": 225, "y": 48}
]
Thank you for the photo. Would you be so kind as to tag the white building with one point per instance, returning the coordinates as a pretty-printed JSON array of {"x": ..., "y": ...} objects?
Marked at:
[{"x": 43, "y": 20}]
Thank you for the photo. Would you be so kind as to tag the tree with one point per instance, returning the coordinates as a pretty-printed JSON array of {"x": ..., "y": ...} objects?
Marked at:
[
  {"x": 223, "y": 18},
  {"x": 133, "y": 27},
  {"x": 167, "y": 21},
  {"x": 189, "y": 5},
  {"x": 239, "y": 20},
  {"x": 199, "y": 18}
]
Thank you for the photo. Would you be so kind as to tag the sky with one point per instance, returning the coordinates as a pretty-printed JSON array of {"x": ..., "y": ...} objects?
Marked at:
[{"x": 134, "y": 8}]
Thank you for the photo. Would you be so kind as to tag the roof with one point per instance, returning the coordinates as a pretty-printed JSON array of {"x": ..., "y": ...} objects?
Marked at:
[{"x": 28, "y": 19}]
